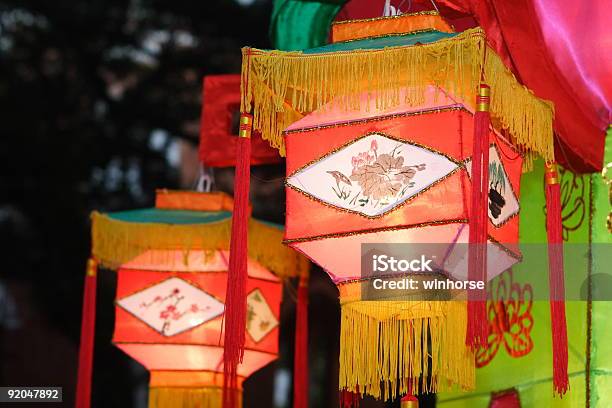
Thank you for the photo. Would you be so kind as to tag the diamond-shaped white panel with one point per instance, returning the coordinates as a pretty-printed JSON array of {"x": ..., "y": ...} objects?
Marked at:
[
  {"x": 260, "y": 319},
  {"x": 172, "y": 306},
  {"x": 372, "y": 175},
  {"x": 503, "y": 204}
]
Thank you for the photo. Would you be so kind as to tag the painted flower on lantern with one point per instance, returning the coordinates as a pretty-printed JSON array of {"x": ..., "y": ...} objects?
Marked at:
[
  {"x": 372, "y": 175},
  {"x": 172, "y": 306},
  {"x": 503, "y": 202},
  {"x": 380, "y": 177},
  {"x": 260, "y": 319},
  {"x": 497, "y": 188}
]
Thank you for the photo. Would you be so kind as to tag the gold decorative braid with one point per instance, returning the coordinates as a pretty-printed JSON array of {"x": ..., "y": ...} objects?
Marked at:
[{"x": 307, "y": 82}]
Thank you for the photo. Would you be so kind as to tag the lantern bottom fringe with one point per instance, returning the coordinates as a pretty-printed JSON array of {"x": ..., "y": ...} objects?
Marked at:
[
  {"x": 192, "y": 397},
  {"x": 390, "y": 348},
  {"x": 116, "y": 242}
]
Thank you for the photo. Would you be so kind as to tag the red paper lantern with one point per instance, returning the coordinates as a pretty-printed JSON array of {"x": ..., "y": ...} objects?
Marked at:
[
  {"x": 399, "y": 175},
  {"x": 220, "y": 125},
  {"x": 169, "y": 317},
  {"x": 173, "y": 263}
]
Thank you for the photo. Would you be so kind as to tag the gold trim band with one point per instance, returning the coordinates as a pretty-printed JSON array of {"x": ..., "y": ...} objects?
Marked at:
[
  {"x": 92, "y": 267},
  {"x": 551, "y": 176},
  {"x": 246, "y": 125}
]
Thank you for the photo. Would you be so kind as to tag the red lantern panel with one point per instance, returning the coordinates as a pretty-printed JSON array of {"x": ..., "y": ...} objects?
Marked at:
[
  {"x": 172, "y": 320},
  {"x": 219, "y": 125},
  {"x": 391, "y": 177}
]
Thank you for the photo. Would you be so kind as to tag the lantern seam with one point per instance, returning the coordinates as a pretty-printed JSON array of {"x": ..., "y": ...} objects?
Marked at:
[
  {"x": 289, "y": 241},
  {"x": 450, "y": 108},
  {"x": 459, "y": 163}
]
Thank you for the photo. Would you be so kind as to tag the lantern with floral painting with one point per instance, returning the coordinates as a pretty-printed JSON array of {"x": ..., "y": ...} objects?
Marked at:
[
  {"x": 401, "y": 176},
  {"x": 172, "y": 263},
  {"x": 169, "y": 318},
  {"x": 394, "y": 145}
]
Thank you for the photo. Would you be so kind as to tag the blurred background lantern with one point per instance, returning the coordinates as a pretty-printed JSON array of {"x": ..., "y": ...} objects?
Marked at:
[
  {"x": 381, "y": 156},
  {"x": 172, "y": 263},
  {"x": 219, "y": 125},
  {"x": 169, "y": 317}
]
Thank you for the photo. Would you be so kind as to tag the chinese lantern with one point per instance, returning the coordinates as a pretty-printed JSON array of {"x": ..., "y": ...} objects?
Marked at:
[
  {"x": 363, "y": 101},
  {"x": 172, "y": 263},
  {"x": 383, "y": 177},
  {"x": 169, "y": 317}
]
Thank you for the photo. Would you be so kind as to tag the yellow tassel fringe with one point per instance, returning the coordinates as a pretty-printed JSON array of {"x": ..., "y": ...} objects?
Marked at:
[
  {"x": 279, "y": 87},
  {"x": 116, "y": 242},
  {"x": 391, "y": 347},
  {"x": 182, "y": 397}
]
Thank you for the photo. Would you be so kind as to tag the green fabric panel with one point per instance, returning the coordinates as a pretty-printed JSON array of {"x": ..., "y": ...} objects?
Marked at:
[
  {"x": 602, "y": 203},
  {"x": 382, "y": 42},
  {"x": 181, "y": 217},
  {"x": 532, "y": 374},
  {"x": 601, "y": 346},
  {"x": 298, "y": 25}
]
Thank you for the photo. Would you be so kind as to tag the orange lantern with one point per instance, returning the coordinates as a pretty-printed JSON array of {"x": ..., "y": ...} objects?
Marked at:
[
  {"x": 172, "y": 263},
  {"x": 380, "y": 133},
  {"x": 397, "y": 176},
  {"x": 169, "y": 317}
]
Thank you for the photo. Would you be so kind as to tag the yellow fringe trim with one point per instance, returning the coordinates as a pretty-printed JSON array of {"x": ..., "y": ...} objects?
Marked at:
[
  {"x": 182, "y": 397},
  {"x": 278, "y": 86},
  {"x": 391, "y": 347},
  {"x": 116, "y": 242}
]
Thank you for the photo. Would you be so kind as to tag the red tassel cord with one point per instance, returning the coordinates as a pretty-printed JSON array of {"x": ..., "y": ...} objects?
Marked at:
[
  {"x": 349, "y": 399},
  {"x": 556, "y": 279},
  {"x": 477, "y": 329},
  {"x": 88, "y": 328},
  {"x": 235, "y": 299},
  {"x": 300, "y": 359}
]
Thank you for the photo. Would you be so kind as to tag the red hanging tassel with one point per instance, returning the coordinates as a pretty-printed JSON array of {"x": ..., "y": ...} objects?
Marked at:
[
  {"x": 477, "y": 329},
  {"x": 349, "y": 399},
  {"x": 235, "y": 298},
  {"x": 88, "y": 329},
  {"x": 300, "y": 359},
  {"x": 556, "y": 279}
]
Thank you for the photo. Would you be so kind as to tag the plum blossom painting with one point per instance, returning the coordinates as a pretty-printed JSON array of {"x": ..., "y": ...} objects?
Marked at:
[{"x": 172, "y": 306}]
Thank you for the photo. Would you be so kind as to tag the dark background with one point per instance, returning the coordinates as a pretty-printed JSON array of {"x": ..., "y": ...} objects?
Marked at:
[{"x": 100, "y": 105}]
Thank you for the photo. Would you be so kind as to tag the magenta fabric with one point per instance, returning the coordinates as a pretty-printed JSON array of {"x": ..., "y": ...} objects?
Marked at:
[
  {"x": 561, "y": 50},
  {"x": 579, "y": 39}
]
